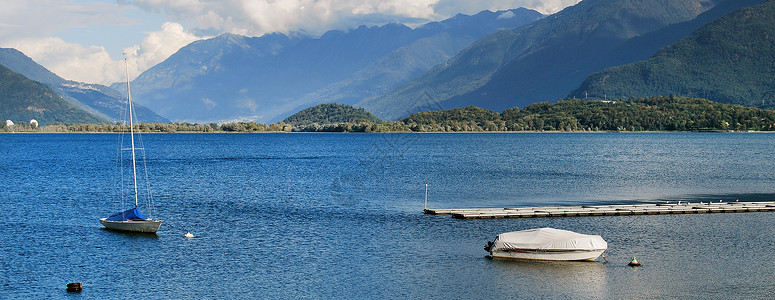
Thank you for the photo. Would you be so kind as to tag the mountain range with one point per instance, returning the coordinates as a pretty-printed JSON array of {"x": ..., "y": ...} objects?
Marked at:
[
  {"x": 546, "y": 60},
  {"x": 24, "y": 100},
  {"x": 267, "y": 78},
  {"x": 730, "y": 60},
  {"x": 104, "y": 102},
  {"x": 721, "y": 50}
]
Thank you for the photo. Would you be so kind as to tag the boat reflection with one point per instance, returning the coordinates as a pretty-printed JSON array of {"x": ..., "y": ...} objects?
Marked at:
[
  {"x": 132, "y": 235},
  {"x": 572, "y": 279}
]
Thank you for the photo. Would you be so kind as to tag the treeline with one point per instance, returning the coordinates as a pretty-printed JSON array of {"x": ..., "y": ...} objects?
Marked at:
[
  {"x": 150, "y": 127},
  {"x": 667, "y": 113}
]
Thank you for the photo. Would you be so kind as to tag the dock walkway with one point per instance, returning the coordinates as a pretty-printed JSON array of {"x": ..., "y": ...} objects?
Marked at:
[{"x": 603, "y": 210}]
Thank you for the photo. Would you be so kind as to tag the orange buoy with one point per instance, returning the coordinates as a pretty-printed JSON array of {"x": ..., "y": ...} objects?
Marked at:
[
  {"x": 74, "y": 287},
  {"x": 634, "y": 262}
]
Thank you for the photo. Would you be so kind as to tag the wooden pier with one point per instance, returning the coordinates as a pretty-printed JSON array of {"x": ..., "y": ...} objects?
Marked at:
[{"x": 604, "y": 210}]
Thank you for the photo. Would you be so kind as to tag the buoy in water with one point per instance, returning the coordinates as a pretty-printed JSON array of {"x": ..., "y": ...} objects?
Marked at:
[
  {"x": 74, "y": 287},
  {"x": 634, "y": 262},
  {"x": 188, "y": 235}
]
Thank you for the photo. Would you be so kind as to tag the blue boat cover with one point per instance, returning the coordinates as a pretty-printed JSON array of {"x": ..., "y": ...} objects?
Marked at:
[{"x": 132, "y": 214}]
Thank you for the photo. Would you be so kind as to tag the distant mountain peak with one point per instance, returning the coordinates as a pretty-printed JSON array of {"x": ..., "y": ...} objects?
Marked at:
[
  {"x": 541, "y": 61},
  {"x": 729, "y": 60},
  {"x": 267, "y": 78}
]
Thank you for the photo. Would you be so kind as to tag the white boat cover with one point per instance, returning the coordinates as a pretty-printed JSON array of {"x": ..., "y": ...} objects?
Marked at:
[{"x": 549, "y": 239}]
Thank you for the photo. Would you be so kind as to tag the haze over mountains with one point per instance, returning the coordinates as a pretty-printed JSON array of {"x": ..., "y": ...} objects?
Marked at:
[
  {"x": 546, "y": 60},
  {"x": 265, "y": 79},
  {"x": 494, "y": 60},
  {"x": 103, "y": 102}
]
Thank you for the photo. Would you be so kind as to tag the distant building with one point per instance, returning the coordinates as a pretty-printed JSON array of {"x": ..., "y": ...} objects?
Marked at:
[
  {"x": 8, "y": 123},
  {"x": 34, "y": 123}
]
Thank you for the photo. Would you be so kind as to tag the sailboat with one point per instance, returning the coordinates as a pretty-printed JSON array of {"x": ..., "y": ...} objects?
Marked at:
[{"x": 131, "y": 220}]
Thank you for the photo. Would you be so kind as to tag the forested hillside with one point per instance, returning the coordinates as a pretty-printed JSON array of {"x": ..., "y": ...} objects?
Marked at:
[
  {"x": 94, "y": 98},
  {"x": 544, "y": 60},
  {"x": 329, "y": 113},
  {"x": 22, "y": 100},
  {"x": 638, "y": 114},
  {"x": 730, "y": 60}
]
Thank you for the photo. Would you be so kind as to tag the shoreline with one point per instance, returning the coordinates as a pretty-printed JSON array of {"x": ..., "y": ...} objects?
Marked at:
[{"x": 378, "y": 132}]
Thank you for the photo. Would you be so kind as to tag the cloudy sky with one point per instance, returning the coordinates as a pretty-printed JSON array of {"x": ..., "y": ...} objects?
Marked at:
[{"x": 83, "y": 40}]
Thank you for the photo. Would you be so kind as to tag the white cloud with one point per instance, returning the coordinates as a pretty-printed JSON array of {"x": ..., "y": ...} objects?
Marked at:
[
  {"x": 209, "y": 103},
  {"x": 157, "y": 46},
  {"x": 23, "y": 19},
  {"x": 450, "y": 7},
  {"x": 93, "y": 64},
  {"x": 506, "y": 15},
  {"x": 546, "y": 6},
  {"x": 257, "y": 17},
  {"x": 68, "y": 60}
]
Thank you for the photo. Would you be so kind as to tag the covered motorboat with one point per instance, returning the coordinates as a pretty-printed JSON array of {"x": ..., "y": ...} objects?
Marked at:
[{"x": 547, "y": 244}]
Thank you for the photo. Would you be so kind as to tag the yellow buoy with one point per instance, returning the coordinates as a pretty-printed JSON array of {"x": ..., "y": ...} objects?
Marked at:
[{"x": 634, "y": 262}]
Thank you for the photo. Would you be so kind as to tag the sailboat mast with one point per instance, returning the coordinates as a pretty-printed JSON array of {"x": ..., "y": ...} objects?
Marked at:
[
  {"x": 131, "y": 128},
  {"x": 426, "y": 196}
]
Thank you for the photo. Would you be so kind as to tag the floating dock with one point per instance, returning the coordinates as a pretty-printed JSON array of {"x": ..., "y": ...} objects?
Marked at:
[{"x": 604, "y": 210}]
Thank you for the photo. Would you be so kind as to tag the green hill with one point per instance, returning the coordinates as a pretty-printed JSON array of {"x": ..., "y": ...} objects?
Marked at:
[
  {"x": 22, "y": 100},
  {"x": 469, "y": 118},
  {"x": 638, "y": 114},
  {"x": 330, "y": 113},
  {"x": 730, "y": 60}
]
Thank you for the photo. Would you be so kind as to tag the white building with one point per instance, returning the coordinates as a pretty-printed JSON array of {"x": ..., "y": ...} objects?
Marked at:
[
  {"x": 8, "y": 123},
  {"x": 34, "y": 123}
]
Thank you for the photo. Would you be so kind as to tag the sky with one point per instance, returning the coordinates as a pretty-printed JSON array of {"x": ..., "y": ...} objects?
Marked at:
[{"x": 86, "y": 40}]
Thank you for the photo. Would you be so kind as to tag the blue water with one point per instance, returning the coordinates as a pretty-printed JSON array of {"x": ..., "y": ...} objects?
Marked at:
[{"x": 340, "y": 215}]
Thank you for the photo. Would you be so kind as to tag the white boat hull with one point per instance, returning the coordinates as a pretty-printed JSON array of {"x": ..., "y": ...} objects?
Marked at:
[
  {"x": 147, "y": 226},
  {"x": 576, "y": 255}
]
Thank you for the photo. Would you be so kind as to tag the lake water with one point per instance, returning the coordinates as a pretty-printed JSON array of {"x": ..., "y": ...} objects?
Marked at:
[{"x": 340, "y": 215}]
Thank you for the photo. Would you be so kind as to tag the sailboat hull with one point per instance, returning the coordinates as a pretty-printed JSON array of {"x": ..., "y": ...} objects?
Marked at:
[{"x": 147, "y": 226}]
